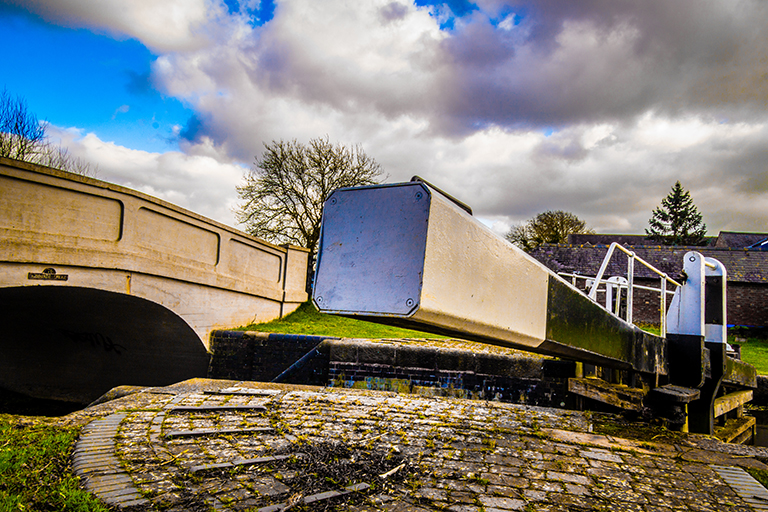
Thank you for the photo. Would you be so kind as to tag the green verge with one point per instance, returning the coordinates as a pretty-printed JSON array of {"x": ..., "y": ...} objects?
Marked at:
[
  {"x": 755, "y": 352},
  {"x": 308, "y": 320},
  {"x": 760, "y": 475},
  {"x": 35, "y": 471}
]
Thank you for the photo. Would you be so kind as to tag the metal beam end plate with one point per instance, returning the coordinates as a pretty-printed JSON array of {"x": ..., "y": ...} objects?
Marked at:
[{"x": 371, "y": 254}]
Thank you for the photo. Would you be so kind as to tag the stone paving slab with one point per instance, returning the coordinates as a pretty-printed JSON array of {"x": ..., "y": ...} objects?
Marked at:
[
  {"x": 389, "y": 452},
  {"x": 95, "y": 462}
]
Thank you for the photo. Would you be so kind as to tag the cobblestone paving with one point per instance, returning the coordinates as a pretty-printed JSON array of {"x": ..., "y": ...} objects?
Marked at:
[{"x": 271, "y": 448}]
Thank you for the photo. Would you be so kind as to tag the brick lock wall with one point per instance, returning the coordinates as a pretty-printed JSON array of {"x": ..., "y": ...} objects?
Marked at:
[
  {"x": 231, "y": 355},
  {"x": 747, "y": 303},
  {"x": 648, "y": 303},
  {"x": 546, "y": 391}
]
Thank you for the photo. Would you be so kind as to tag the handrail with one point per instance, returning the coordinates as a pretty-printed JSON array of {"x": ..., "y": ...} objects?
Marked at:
[
  {"x": 631, "y": 257},
  {"x": 606, "y": 281}
]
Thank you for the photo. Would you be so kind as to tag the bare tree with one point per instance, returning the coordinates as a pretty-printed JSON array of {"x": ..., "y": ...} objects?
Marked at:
[
  {"x": 21, "y": 134},
  {"x": 283, "y": 194},
  {"x": 59, "y": 157},
  {"x": 24, "y": 137},
  {"x": 550, "y": 227}
]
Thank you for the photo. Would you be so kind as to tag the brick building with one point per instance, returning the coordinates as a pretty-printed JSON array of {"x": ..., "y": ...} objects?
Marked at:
[{"x": 744, "y": 255}]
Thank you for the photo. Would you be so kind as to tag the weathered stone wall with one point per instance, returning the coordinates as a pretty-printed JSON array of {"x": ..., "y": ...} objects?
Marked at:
[
  {"x": 255, "y": 356},
  {"x": 426, "y": 369}
]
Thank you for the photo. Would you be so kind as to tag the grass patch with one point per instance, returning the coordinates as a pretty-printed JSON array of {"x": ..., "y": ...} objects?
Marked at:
[
  {"x": 651, "y": 328},
  {"x": 35, "y": 473},
  {"x": 755, "y": 352},
  {"x": 760, "y": 475},
  {"x": 308, "y": 320}
]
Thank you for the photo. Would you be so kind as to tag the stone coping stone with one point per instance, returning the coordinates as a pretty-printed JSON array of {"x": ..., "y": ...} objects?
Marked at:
[{"x": 446, "y": 355}]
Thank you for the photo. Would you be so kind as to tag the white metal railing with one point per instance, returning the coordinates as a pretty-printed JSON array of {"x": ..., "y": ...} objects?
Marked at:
[{"x": 628, "y": 285}]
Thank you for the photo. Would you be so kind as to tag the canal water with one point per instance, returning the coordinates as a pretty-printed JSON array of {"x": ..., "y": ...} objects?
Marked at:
[
  {"x": 761, "y": 432},
  {"x": 14, "y": 403}
]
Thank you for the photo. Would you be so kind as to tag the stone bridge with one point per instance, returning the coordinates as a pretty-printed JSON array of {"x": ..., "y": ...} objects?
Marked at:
[{"x": 101, "y": 285}]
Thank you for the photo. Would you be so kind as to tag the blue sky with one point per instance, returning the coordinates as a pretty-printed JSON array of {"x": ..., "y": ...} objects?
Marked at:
[
  {"x": 515, "y": 106},
  {"x": 75, "y": 77}
]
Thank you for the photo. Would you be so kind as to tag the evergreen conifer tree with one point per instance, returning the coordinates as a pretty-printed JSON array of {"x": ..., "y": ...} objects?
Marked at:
[{"x": 677, "y": 221}]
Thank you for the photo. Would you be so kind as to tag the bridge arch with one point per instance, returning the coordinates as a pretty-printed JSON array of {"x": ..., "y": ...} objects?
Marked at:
[
  {"x": 74, "y": 343},
  {"x": 70, "y": 244}
]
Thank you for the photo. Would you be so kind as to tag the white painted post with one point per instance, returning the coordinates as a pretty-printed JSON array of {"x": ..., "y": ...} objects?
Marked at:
[
  {"x": 663, "y": 306},
  {"x": 686, "y": 312},
  {"x": 631, "y": 285},
  {"x": 712, "y": 331},
  {"x": 615, "y": 285}
]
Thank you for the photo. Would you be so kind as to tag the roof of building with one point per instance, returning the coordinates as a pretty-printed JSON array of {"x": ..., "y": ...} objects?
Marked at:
[
  {"x": 734, "y": 239},
  {"x": 727, "y": 239},
  {"x": 603, "y": 239},
  {"x": 744, "y": 264}
]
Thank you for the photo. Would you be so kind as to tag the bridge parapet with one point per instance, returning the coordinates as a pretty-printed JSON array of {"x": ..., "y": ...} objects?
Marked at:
[
  {"x": 61, "y": 230},
  {"x": 51, "y": 217}
]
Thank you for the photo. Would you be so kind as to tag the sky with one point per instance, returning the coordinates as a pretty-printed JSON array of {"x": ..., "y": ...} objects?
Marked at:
[{"x": 596, "y": 107}]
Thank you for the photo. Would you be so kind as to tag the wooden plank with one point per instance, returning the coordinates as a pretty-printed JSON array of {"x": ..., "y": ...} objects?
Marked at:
[
  {"x": 740, "y": 373},
  {"x": 617, "y": 395},
  {"x": 730, "y": 402},
  {"x": 737, "y": 431},
  {"x": 676, "y": 394}
]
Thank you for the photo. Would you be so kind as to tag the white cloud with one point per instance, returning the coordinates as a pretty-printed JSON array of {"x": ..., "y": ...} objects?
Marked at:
[
  {"x": 634, "y": 96},
  {"x": 167, "y": 25},
  {"x": 201, "y": 184},
  {"x": 122, "y": 109}
]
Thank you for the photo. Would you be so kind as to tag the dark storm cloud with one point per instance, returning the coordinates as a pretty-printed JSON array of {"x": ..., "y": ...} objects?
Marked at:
[
  {"x": 587, "y": 61},
  {"x": 393, "y": 11},
  {"x": 550, "y": 64}
]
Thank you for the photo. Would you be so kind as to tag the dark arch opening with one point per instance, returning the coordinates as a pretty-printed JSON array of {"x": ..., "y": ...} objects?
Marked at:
[{"x": 74, "y": 344}]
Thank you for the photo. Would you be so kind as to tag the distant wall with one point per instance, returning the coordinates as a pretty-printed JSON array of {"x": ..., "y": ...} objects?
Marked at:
[
  {"x": 747, "y": 273},
  {"x": 747, "y": 303}
]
